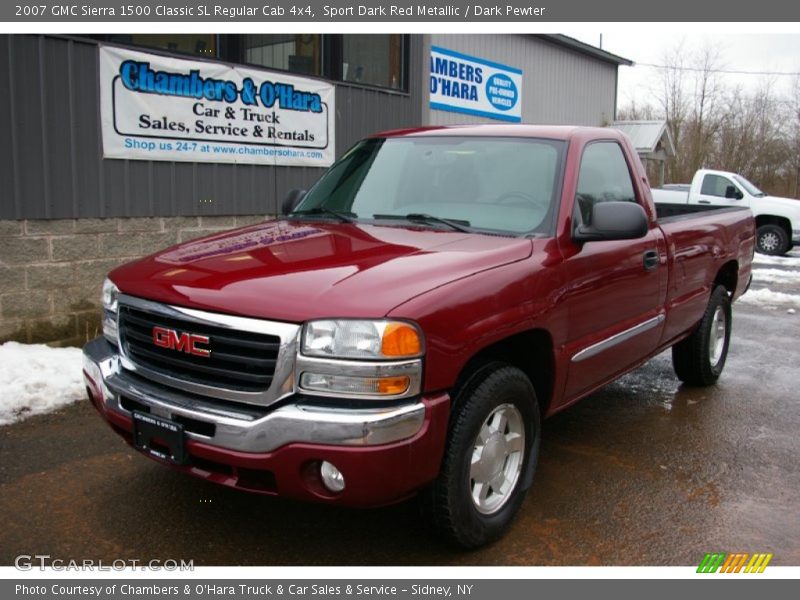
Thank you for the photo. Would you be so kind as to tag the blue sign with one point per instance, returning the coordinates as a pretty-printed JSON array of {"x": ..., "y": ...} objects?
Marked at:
[
  {"x": 502, "y": 92},
  {"x": 474, "y": 86}
]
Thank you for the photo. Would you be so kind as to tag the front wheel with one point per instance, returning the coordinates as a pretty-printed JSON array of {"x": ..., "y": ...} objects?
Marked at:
[
  {"x": 493, "y": 438},
  {"x": 773, "y": 240},
  {"x": 700, "y": 358}
]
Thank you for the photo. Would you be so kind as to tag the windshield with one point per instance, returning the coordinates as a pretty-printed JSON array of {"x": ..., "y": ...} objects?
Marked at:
[
  {"x": 506, "y": 185},
  {"x": 751, "y": 189}
]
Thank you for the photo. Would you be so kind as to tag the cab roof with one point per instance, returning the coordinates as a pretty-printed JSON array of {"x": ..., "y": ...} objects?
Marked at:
[{"x": 556, "y": 132}]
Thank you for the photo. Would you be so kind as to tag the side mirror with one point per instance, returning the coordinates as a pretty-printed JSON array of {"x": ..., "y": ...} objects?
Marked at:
[
  {"x": 613, "y": 221},
  {"x": 733, "y": 192},
  {"x": 291, "y": 200}
]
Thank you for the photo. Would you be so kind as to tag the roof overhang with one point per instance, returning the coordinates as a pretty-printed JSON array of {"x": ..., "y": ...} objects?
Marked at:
[{"x": 587, "y": 49}]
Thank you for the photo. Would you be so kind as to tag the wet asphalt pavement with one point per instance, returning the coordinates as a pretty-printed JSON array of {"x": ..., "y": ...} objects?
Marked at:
[{"x": 645, "y": 472}]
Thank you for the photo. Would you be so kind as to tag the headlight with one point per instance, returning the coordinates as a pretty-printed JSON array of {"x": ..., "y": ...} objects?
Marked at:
[
  {"x": 109, "y": 300},
  {"x": 109, "y": 296},
  {"x": 361, "y": 359},
  {"x": 345, "y": 338}
]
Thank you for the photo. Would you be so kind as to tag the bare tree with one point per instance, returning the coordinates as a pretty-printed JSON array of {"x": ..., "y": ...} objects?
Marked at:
[
  {"x": 753, "y": 140},
  {"x": 793, "y": 138},
  {"x": 713, "y": 125},
  {"x": 637, "y": 112},
  {"x": 706, "y": 118},
  {"x": 673, "y": 101}
]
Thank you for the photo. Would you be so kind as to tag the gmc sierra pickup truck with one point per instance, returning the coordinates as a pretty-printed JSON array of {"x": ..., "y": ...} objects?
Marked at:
[{"x": 406, "y": 327}]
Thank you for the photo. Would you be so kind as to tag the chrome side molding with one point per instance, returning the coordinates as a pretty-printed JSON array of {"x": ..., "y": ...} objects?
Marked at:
[{"x": 618, "y": 338}]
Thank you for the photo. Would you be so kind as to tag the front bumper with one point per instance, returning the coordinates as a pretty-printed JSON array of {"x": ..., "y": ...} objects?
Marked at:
[{"x": 384, "y": 453}]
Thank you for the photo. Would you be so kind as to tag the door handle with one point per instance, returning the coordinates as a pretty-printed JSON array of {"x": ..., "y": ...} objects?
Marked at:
[
  {"x": 704, "y": 201},
  {"x": 651, "y": 260}
]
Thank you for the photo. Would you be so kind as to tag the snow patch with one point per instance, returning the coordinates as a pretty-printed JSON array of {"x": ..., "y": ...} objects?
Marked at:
[
  {"x": 768, "y": 298},
  {"x": 776, "y": 276},
  {"x": 790, "y": 260},
  {"x": 36, "y": 379}
]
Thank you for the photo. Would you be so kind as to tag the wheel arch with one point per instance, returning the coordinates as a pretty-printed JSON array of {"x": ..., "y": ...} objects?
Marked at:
[
  {"x": 531, "y": 351},
  {"x": 781, "y": 222},
  {"x": 728, "y": 277}
]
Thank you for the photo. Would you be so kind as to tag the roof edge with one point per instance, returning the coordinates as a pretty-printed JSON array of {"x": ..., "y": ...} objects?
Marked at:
[
  {"x": 663, "y": 131},
  {"x": 567, "y": 42}
]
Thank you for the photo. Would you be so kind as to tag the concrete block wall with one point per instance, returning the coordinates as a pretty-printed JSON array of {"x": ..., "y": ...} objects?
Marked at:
[{"x": 51, "y": 271}]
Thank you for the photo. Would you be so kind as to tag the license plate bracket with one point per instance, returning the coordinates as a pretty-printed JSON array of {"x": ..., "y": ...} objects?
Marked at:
[{"x": 159, "y": 437}]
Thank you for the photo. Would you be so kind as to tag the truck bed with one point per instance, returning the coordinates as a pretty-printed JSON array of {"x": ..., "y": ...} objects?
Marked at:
[{"x": 669, "y": 212}]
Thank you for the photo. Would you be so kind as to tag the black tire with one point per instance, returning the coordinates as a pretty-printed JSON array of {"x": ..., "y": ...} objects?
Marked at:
[
  {"x": 700, "y": 358},
  {"x": 773, "y": 240},
  {"x": 494, "y": 391}
]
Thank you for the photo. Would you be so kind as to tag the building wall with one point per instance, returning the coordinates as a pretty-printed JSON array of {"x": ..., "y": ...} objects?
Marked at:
[
  {"x": 68, "y": 216},
  {"x": 51, "y": 157},
  {"x": 51, "y": 271},
  {"x": 560, "y": 86}
]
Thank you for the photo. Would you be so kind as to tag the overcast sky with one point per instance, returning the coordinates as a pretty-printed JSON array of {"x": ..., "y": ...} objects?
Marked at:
[{"x": 738, "y": 52}]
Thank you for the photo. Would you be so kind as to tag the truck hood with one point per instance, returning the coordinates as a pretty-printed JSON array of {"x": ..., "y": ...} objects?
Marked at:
[
  {"x": 776, "y": 202},
  {"x": 298, "y": 270}
]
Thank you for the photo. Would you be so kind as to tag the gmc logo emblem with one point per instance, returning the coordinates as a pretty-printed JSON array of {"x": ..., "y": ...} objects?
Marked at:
[{"x": 181, "y": 342}]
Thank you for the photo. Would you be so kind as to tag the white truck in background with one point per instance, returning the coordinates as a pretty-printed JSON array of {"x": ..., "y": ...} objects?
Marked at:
[{"x": 777, "y": 219}]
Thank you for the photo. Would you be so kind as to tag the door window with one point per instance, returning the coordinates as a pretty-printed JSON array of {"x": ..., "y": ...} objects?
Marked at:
[
  {"x": 715, "y": 185},
  {"x": 603, "y": 177}
]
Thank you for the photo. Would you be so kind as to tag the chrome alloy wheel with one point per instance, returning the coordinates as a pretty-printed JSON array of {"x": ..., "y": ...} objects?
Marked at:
[
  {"x": 716, "y": 337},
  {"x": 769, "y": 242},
  {"x": 497, "y": 459}
]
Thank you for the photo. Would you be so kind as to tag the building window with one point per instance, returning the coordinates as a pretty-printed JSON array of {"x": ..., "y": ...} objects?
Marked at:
[
  {"x": 379, "y": 60},
  {"x": 295, "y": 53},
  {"x": 373, "y": 60},
  {"x": 202, "y": 44}
]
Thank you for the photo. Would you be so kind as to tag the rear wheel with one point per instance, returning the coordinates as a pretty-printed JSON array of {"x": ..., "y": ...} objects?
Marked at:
[
  {"x": 493, "y": 438},
  {"x": 700, "y": 358},
  {"x": 772, "y": 239}
]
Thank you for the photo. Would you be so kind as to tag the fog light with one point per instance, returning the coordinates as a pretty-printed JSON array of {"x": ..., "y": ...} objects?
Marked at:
[{"x": 332, "y": 478}]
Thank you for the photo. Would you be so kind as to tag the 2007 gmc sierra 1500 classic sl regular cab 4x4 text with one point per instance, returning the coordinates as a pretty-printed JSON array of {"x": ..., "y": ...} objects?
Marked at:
[{"x": 406, "y": 327}]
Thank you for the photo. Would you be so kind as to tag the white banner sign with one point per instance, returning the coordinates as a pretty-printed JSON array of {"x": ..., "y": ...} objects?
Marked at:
[
  {"x": 160, "y": 108},
  {"x": 474, "y": 86}
]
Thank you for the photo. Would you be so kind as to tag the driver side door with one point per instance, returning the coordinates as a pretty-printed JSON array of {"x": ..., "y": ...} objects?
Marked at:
[{"x": 616, "y": 291}]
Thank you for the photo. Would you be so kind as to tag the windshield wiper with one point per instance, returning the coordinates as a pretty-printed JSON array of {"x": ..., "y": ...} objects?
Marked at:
[
  {"x": 457, "y": 225},
  {"x": 322, "y": 211}
]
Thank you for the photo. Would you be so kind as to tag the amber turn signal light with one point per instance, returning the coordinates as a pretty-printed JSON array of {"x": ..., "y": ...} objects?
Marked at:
[
  {"x": 391, "y": 386},
  {"x": 400, "y": 339}
]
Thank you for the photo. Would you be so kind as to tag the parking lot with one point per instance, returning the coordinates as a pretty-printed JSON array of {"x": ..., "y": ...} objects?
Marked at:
[{"x": 644, "y": 472}]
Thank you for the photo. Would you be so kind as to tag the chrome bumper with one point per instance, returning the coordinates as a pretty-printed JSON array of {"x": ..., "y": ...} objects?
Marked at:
[{"x": 243, "y": 429}]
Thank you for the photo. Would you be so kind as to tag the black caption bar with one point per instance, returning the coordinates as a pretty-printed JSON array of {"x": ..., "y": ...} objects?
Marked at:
[
  {"x": 345, "y": 11},
  {"x": 372, "y": 589}
]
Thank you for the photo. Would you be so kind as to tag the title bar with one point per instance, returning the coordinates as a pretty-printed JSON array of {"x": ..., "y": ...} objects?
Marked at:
[{"x": 346, "y": 11}]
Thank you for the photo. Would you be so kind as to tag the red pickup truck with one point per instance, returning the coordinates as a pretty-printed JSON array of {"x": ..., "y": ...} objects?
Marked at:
[{"x": 406, "y": 327}]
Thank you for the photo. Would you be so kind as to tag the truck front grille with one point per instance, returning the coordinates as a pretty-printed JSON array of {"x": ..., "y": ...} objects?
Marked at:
[{"x": 237, "y": 360}]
